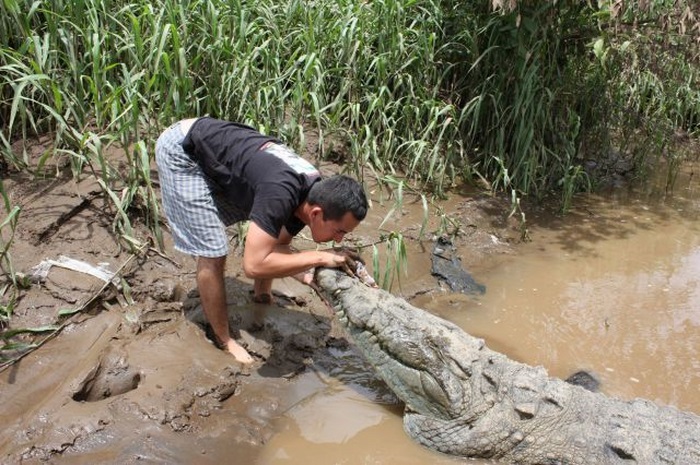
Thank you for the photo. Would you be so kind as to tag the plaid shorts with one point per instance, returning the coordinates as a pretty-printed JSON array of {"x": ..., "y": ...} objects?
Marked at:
[{"x": 196, "y": 214}]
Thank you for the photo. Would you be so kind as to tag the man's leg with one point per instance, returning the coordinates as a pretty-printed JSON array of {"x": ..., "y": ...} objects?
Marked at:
[
  {"x": 197, "y": 228},
  {"x": 262, "y": 294},
  {"x": 212, "y": 292},
  {"x": 262, "y": 290}
]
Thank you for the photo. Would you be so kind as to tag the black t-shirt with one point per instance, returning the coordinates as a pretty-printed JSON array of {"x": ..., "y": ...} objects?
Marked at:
[{"x": 267, "y": 185}]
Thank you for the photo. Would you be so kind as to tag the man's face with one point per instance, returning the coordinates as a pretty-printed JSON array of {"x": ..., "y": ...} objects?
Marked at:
[{"x": 331, "y": 230}]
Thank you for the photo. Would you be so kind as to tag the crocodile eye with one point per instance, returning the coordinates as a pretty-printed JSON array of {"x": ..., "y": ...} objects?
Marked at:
[{"x": 433, "y": 389}]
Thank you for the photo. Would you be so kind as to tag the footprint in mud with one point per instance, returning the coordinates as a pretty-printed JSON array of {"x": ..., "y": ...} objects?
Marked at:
[{"x": 111, "y": 376}]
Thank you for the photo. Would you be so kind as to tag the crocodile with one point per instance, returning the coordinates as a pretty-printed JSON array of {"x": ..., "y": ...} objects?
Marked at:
[{"x": 464, "y": 399}]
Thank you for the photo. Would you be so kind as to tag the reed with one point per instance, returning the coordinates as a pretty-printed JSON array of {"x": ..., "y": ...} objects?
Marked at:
[
  {"x": 419, "y": 94},
  {"x": 7, "y": 233},
  {"x": 434, "y": 92}
]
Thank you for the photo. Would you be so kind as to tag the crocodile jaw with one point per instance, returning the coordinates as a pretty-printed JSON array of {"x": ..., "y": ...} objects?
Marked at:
[{"x": 410, "y": 348}]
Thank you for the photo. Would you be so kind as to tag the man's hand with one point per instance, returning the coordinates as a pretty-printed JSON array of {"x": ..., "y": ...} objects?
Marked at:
[
  {"x": 354, "y": 265},
  {"x": 351, "y": 255},
  {"x": 351, "y": 259}
]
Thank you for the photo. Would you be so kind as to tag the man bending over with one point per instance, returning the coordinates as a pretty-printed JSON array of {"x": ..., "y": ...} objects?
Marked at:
[{"x": 215, "y": 173}]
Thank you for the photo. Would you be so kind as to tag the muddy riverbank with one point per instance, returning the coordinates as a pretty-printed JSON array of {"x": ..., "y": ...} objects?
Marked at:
[{"x": 133, "y": 377}]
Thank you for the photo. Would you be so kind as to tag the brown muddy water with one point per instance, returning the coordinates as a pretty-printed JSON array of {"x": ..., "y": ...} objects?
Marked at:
[{"x": 613, "y": 288}]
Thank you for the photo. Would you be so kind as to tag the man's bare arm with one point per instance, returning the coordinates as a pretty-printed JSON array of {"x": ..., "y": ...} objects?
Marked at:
[{"x": 267, "y": 257}]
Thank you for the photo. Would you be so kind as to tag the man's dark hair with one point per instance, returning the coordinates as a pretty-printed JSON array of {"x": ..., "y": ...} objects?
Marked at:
[{"x": 338, "y": 195}]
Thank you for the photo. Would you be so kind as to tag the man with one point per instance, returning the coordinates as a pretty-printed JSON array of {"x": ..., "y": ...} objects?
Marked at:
[{"x": 215, "y": 173}]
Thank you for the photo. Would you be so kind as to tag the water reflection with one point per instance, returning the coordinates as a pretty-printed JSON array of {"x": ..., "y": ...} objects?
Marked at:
[{"x": 346, "y": 416}]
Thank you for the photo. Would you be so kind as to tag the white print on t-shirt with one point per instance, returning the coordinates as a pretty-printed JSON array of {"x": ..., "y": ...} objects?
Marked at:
[{"x": 294, "y": 161}]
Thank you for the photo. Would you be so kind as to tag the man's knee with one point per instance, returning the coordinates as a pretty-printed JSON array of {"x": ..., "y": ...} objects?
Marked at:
[{"x": 211, "y": 265}]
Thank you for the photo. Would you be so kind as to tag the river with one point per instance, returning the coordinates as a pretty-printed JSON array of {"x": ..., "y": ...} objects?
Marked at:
[{"x": 612, "y": 288}]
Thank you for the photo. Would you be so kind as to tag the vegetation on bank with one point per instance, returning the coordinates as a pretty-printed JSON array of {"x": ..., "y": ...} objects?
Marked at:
[
  {"x": 528, "y": 97},
  {"x": 435, "y": 91}
]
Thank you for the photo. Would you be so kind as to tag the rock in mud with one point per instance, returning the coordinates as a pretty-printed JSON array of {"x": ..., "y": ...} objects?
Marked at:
[
  {"x": 447, "y": 268},
  {"x": 584, "y": 379}
]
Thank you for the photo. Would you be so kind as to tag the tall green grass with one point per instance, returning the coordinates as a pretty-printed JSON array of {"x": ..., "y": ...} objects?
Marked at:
[
  {"x": 436, "y": 92},
  {"x": 7, "y": 233},
  {"x": 424, "y": 94}
]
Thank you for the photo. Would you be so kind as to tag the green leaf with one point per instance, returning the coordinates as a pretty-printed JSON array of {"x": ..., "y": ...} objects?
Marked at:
[
  {"x": 598, "y": 48},
  {"x": 40, "y": 329},
  {"x": 68, "y": 311}
]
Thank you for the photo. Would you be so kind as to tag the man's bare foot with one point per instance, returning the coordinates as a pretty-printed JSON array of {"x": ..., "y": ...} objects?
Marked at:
[
  {"x": 258, "y": 318},
  {"x": 264, "y": 298},
  {"x": 239, "y": 353}
]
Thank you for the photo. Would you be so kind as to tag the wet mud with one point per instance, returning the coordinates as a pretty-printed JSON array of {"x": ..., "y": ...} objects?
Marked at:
[{"x": 132, "y": 376}]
